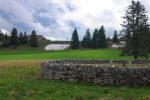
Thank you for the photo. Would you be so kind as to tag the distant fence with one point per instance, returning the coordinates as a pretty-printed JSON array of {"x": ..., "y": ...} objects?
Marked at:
[{"x": 97, "y": 71}]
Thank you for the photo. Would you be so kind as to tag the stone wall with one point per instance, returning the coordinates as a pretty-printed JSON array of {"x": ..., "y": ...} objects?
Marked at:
[{"x": 95, "y": 71}]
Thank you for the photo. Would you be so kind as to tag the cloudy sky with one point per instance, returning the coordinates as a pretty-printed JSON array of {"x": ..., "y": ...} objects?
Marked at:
[{"x": 56, "y": 19}]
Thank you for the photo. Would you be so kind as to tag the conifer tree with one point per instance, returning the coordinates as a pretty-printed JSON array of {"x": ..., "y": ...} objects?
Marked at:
[
  {"x": 115, "y": 37},
  {"x": 25, "y": 38},
  {"x": 94, "y": 41},
  {"x": 33, "y": 42},
  {"x": 86, "y": 42},
  {"x": 102, "y": 41},
  {"x": 6, "y": 41},
  {"x": 83, "y": 43},
  {"x": 21, "y": 38},
  {"x": 74, "y": 40},
  {"x": 13, "y": 41},
  {"x": 135, "y": 20},
  {"x": 1, "y": 36}
]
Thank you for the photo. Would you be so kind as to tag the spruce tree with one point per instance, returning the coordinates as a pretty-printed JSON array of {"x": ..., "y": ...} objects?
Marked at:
[
  {"x": 6, "y": 41},
  {"x": 115, "y": 37},
  {"x": 83, "y": 43},
  {"x": 144, "y": 41},
  {"x": 135, "y": 18},
  {"x": 94, "y": 41},
  {"x": 25, "y": 38},
  {"x": 33, "y": 42},
  {"x": 13, "y": 41},
  {"x": 21, "y": 38},
  {"x": 6, "y": 37},
  {"x": 86, "y": 42},
  {"x": 1, "y": 36},
  {"x": 102, "y": 41},
  {"x": 74, "y": 40}
]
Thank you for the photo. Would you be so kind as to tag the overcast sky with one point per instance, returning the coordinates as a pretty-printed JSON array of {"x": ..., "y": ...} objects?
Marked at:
[{"x": 56, "y": 19}]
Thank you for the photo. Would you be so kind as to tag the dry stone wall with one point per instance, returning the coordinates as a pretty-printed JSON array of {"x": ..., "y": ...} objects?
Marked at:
[{"x": 95, "y": 71}]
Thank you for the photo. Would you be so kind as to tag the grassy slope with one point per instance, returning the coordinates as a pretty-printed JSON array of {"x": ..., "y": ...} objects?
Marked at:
[
  {"x": 24, "y": 82},
  {"x": 24, "y": 52}
]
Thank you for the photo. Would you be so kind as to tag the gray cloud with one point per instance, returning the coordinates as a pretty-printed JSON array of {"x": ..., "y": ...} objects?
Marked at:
[{"x": 56, "y": 19}]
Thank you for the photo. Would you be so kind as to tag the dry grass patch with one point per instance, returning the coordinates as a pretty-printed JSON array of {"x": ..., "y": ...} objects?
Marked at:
[{"x": 20, "y": 63}]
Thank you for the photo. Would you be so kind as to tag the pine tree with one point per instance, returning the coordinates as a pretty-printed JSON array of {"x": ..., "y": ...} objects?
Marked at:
[
  {"x": 135, "y": 18},
  {"x": 86, "y": 42},
  {"x": 21, "y": 38},
  {"x": 6, "y": 41},
  {"x": 1, "y": 36},
  {"x": 83, "y": 43},
  {"x": 115, "y": 37},
  {"x": 25, "y": 38},
  {"x": 13, "y": 38},
  {"x": 6, "y": 37},
  {"x": 94, "y": 41},
  {"x": 74, "y": 40},
  {"x": 102, "y": 41},
  {"x": 144, "y": 41},
  {"x": 33, "y": 42}
]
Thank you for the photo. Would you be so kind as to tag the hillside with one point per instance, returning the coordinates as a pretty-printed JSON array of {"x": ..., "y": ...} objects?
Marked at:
[{"x": 22, "y": 48}]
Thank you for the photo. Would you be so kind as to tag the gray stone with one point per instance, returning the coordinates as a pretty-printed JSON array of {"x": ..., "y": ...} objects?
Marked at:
[{"x": 80, "y": 70}]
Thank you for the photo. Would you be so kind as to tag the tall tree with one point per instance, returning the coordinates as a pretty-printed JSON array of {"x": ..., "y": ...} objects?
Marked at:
[
  {"x": 144, "y": 41},
  {"x": 25, "y": 38},
  {"x": 115, "y": 37},
  {"x": 83, "y": 42},
  {"x": 102, "y": 41},
  {"x": 6, "y": 41},
  {"x": 74, "y": 40},
  {"x": 134, "y": 19},
  {"x": 1, "y": 36},
  {"x": 13, "y": 41},
  {"x": 20, "y": 38},
  {"x": 33, "y": 42},
  {"x": 86, "y": 42},
  {"x": 94, "y": 41}
]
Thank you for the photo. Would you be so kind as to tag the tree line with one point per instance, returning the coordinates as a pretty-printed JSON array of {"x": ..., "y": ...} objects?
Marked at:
[
  {"x": 13, "y": 40},
  {"x": 98, "y": 40}
]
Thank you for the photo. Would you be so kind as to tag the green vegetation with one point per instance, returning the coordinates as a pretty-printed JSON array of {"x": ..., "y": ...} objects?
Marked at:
[
  {"x": 33, "y": 41},
  {"x": 20, "y": 77},
  {"x": 13, "y": 41},
  {"x": 115, "y": 37},
  {"x": 74, "y": 40},
  {"x": 34, "y": 54},
  {"x": 86, "y": 42},
  {"x": 24, "y": 82},
  {"x": 136, "y": 30}
]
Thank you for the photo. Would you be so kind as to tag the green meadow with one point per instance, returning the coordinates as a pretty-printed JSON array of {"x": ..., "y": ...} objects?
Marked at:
[
  {"x": 20, "y": 77},
  {"x": 21, "y": 80},
  {"x": 65, "y": 54}
]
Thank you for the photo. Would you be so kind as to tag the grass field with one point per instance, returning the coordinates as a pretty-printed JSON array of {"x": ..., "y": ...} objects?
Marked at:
[
  {"x": 65, "y": 54},
  {"x": 23, "y": 82},
  {"x": 20, "y": 77}
]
